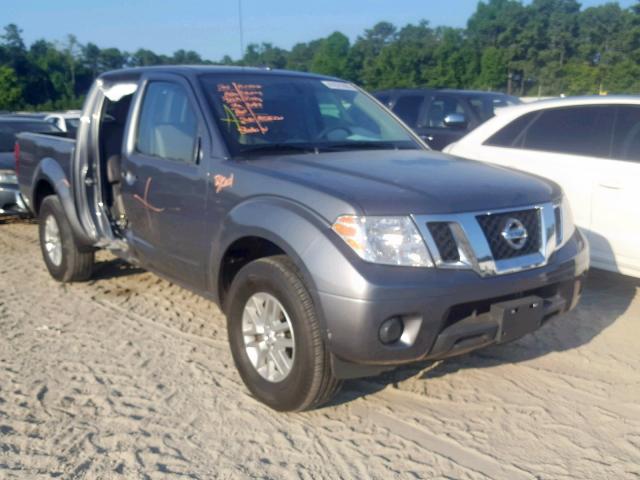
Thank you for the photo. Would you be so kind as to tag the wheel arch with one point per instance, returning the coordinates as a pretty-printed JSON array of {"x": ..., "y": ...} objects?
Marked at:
[
  {"x": 51, "y": 179},
  {"x": 266, "y": 226}
]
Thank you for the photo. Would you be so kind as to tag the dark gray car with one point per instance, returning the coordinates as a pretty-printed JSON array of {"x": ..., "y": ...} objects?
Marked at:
[
  {"x": 10, "y": 125},
  {"x": 336, "y": 243},
  {"x": 443, "y": 116}
]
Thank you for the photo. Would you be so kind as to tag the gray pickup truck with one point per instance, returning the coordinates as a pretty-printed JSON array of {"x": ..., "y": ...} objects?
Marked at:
[{"x": 337, "y": 244}]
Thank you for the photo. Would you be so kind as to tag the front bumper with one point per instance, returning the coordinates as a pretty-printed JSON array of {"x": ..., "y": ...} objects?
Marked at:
[
  {"x": 446, "y": 312},
  {"x": 11, "y": 202}
]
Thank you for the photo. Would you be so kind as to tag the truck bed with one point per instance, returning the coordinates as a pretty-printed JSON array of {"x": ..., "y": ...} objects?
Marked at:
[{"x": 37, "y": 148}]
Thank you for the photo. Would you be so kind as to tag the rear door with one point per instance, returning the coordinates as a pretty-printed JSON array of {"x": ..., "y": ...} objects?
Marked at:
[
  {"x": 616, "y": 198},
  {"x": 164, "y": 180},
  {"x": 434, "y": 127}
]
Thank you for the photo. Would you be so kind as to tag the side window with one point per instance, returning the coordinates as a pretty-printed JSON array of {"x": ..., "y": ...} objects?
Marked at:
[
  {"x": 511, "y": 134},
  {"x": 168, "y": 126},
  {"x": 626, "y": 138},
  {"x": 408, "y": 108},
  {"x": 480, "y": 107},
  {"x": 440, "y": 108},
  {"x": 581, "y": 130}
]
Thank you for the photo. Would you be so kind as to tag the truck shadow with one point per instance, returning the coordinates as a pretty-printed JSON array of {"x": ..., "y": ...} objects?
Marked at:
[
  {"x": 606, "y": 297},
  {"x": 114, "y": 268}
]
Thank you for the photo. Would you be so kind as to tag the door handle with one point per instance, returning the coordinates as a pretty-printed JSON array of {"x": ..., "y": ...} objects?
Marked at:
[
  {"x": 428, "y": 138},
  {"x": 130, "y": 178}
]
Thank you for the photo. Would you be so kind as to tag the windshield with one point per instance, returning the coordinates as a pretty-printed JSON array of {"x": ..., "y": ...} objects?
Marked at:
[
  {"x": 9, "y": 129},
  {"x": 258, "y": 114}
]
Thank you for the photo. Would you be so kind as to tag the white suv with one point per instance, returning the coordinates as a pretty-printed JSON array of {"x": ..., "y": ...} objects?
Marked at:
[{"x": 591, "y": 147}]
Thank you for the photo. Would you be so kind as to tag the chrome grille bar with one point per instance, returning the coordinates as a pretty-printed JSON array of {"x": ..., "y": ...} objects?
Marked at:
[{"x": 473, "y": 247}]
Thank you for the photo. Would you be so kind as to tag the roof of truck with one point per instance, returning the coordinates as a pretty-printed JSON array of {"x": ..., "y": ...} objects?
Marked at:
[{"x": 190, "y": 70}]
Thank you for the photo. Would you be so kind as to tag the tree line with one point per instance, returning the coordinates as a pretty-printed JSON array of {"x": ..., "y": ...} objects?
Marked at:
[{"x": 545, "y": 47}]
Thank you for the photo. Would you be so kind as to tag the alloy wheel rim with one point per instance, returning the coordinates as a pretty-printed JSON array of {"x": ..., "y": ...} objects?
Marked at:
[
  {"x": 52, "y": 241},
  {"x": 268, "y": 337}
]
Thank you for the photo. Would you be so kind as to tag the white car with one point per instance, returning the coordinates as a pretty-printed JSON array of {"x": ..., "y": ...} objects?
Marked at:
[
  {"x": 67, "y": 122},
  {"x": 591, "y": 147}
]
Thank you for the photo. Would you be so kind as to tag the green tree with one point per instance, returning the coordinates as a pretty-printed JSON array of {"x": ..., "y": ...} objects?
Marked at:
[
  {"x": 494, "y": 69},
  {"x": 91, "y": 58},
  {"x": 265, "y": 55},
  {"x": 143, "y": 58},
  {"x": 366, "y": 49},
  {"x": 10, "y": 91},
  {"x": 455, "y": 60},
  {"x": 331, "y": 56},
  {"x": 535, "y": 47},
  {"x": 302, "y": 55},
  {"x": 184, "y": 57},
  {"x": 111, "y": 59}
]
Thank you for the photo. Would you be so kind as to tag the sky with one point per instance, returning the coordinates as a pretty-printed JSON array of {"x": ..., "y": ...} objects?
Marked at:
[{"x": 211, "y": 27}]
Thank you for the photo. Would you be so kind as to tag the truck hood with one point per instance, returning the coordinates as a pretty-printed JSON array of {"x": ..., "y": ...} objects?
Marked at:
[{"x": 400, "y": 182}]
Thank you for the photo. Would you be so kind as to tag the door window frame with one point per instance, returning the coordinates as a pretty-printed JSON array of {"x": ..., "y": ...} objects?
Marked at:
[{"x": 203, "y": 137}]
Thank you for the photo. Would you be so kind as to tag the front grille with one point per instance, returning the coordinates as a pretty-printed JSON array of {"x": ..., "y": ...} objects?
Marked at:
[
  {"x": 493, "y": 225},
  {"x": 443, "y": 238}
]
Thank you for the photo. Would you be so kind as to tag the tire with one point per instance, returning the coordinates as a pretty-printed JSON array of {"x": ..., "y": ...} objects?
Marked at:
[
  {"x": 310, "y": 381},
  {"x": 70, "y": 263}
]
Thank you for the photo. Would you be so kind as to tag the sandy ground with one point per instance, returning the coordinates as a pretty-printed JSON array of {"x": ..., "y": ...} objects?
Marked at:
[{"x": 129, "y": 376}]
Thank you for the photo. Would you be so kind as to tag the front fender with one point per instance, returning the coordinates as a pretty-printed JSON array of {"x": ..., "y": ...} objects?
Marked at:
[
  {"x": 50, "y": 171},
  {"x": 303, "y": 235}
]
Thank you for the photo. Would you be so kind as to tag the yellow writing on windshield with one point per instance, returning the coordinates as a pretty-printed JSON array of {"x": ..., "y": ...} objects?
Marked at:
[{"x": 243, "y": 104}]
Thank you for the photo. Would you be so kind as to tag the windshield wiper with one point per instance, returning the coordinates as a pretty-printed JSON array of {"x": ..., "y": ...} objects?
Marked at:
[
  {"x": 277, "y": 148},
  {"x": 356, "y": 145}
]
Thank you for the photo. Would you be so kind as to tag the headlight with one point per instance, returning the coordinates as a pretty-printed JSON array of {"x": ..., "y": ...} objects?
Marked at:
[
  {"x": 387, "y": 240},
  {"x": 8, "y": 176},
  {"x": 565, "y": 227}
]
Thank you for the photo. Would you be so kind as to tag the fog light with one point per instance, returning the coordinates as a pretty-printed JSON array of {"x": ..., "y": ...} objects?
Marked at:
[{"x": 391, "y": 330}]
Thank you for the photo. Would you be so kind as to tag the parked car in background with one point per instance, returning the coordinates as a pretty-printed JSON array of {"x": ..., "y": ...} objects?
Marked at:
[
  {"x": 441, "y": 117},
  {"x": 66, "y": 122},
  {"x": 336, "y": 243},
  {"x": 591, "y": 147},
  {"x": 10, "y": 199}
]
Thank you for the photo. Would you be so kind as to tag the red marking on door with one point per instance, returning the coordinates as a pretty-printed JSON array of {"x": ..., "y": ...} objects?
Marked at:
[
  {"x": 145, "y": 201},
  {"x": 221, "y": 182}
]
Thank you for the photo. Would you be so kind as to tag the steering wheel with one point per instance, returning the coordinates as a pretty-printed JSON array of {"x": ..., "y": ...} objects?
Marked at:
[{"x": 326, "y": 131}]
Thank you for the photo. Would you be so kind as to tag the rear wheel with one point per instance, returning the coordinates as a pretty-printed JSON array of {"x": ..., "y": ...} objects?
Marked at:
[
  {"x": 275, "y": 337},
  {"x": 65, "y": 261}
]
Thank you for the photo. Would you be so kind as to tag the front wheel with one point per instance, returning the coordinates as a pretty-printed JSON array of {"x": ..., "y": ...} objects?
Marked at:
[
  {"x": 275, "y": 337},
  {"x": 65, "y": 261}
]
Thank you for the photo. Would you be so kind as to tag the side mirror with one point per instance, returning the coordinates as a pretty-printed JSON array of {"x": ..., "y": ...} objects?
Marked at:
[{"x": 455, "y": 120}]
